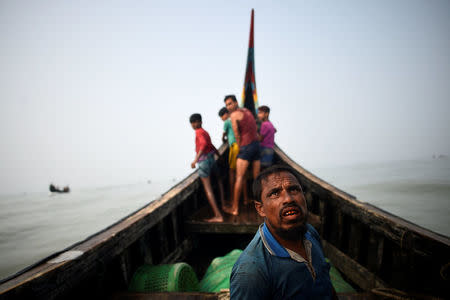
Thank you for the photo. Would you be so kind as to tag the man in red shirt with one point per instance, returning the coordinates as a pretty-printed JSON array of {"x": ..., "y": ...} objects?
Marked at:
[
  {"x": 245, "y": 132},
  {"x": 206, "y": 164}
]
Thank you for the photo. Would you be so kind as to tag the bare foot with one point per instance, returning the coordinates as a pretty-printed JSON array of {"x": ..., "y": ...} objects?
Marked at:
[
  {"x": 214, "y": 219},
  {"x": 231, "y": 211}
]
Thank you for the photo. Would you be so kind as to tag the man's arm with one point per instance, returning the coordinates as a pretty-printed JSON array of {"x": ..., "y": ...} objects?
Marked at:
[
  {"x": 201, "y": 149},
  {"x": 196, "y": 158},
  {"x": 262, "y": 132}
]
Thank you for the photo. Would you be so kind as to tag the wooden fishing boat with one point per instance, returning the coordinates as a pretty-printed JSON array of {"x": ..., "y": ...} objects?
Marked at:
[
  {"x": 372, "y": 248},
  {"x": 380, "y": 254}
]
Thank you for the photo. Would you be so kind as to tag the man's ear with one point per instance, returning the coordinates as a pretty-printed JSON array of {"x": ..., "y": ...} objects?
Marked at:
[{"x": 260, "y": 209}]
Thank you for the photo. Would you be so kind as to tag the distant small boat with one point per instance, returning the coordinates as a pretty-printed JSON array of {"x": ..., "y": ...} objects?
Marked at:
[{"x": 55, "y": 189}]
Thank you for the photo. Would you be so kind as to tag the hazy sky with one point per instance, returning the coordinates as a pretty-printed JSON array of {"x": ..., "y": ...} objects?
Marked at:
[{"x": 100, "y": 92}]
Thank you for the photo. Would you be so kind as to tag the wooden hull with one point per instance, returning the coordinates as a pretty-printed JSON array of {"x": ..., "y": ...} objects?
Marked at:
[{"x": 371, "y": 247}]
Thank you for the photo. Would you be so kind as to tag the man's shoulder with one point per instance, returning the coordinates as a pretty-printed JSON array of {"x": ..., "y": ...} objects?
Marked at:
[
  {"x": 201, "y": 131},
  {"x": 250, "y": 274},
  {"x": 312, "y": 231},
  {"x": 253, "y": 254},
  {"x": 237, "y": 114},
  {"x": 267, "y": 124}
]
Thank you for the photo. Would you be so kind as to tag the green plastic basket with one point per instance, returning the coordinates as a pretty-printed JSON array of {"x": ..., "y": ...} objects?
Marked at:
[
  {"x": 179, "y": 277},
  {"x": 217, "y": 276}
]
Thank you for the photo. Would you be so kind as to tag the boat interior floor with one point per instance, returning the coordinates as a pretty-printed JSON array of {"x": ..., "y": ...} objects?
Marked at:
[{"x": 246, "y": 222}]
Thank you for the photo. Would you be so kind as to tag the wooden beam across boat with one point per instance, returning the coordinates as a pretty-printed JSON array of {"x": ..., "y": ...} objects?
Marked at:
[{"x": 247, "y": 221}]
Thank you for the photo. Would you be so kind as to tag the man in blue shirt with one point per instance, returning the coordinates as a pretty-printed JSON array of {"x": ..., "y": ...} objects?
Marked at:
[{"x": 285, "y": 258}]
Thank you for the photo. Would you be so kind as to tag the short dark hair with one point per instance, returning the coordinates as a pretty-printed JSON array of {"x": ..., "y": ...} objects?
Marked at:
[
  {"x": 264, "y": 108},
  {"x": 223, "y": 111},
  {"x": 257, "y": 183},
  {"x": 232, "y": 97},
  {"x": 195, "y": 117}
]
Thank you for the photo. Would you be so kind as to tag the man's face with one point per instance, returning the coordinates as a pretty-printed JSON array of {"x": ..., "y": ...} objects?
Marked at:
[
  {"x": 224, "y": 117},
  {"x": 231, "y": 105},
  {"x": 283, "y": 205},
  {"x": 262, "y": 116},
  {"x": 196, "y": 124}
]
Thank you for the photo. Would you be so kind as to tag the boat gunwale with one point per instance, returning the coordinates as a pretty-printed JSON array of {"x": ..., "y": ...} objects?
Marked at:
[{"x": 368, "y": 212}]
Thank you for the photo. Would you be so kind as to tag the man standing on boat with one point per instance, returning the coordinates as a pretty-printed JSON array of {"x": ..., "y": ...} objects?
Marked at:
[
  {"x": 285, "y": 258},
  {"x": 266, "y": 136},
  {"x": 228, "y": 136},
  {"x": 245, "y": 132},
  {"x": 206, "y": 164}
]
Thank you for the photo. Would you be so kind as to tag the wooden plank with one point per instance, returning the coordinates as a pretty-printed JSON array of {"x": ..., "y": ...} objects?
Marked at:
[
  {"x": 179, "y": 253},
  {"x": 355, "y": 240},
  {"x": 358, "y": 274},
  {"x": 175, "y": 229},
  {"x": 375, "y": 252},
  {"x": 145, "y": 250},
  {"x": 340, "y": 228},
  {"x": 246, "y": 222},
  {"x": 124, "y": 259},
  {"x": 323, "y": 215}
]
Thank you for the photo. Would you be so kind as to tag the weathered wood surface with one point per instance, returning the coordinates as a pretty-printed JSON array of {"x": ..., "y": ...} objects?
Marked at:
[
  {"x": 354, "y": 271},
  {"x": 247, "y": 221}
]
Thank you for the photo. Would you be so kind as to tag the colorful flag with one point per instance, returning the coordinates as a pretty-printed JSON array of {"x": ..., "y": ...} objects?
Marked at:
[{"x": 249, "y": 96}]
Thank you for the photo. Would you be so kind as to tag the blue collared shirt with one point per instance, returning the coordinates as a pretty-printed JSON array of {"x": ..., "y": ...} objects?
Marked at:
[{"x": 267, "y": 270}]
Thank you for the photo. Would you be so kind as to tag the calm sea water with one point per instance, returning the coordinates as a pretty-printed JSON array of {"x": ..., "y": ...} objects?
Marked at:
[
  {"x": 34, "y": 226},
  {"x": 416, "y": 190}
]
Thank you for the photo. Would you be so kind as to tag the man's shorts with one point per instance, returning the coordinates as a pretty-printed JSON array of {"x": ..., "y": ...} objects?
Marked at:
[
  {"x": 207, "y": 166},
  {"x": 266, "y": 156},
  {"x": 249, "y": 152},
  {"x": 232, "y": 155}
]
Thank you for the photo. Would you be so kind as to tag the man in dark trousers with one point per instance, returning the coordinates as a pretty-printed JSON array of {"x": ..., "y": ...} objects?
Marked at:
[{"x": 244, "y": 127}]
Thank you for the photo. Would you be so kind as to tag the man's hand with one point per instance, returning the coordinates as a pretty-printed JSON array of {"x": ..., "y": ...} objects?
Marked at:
[
  {"x": 224, "y": 137},
  {"x": 193, "y": 164}
]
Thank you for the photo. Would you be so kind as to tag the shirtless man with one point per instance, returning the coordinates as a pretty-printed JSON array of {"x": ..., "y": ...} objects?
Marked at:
[{"x": 245, "y": 132}]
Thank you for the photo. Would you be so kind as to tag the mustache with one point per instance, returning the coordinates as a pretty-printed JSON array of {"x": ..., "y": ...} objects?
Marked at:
[{"x": 292, "y": 205}]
